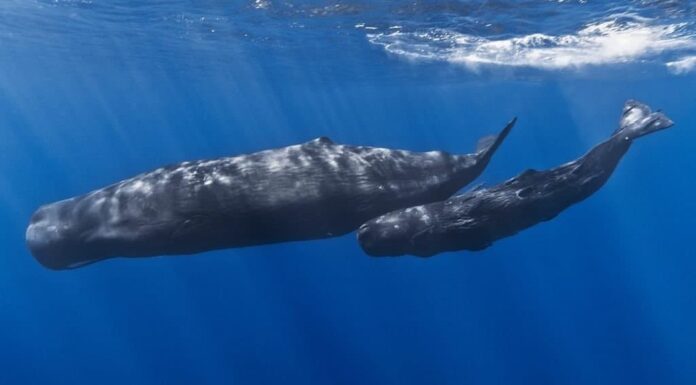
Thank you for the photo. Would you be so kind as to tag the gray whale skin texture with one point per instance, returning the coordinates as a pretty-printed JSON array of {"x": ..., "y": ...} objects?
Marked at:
[
  {"x": 313, "y": 190},
  {"x": 474, "y": 220}
]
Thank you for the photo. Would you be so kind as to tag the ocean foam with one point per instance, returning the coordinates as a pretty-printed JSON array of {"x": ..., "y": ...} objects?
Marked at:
[
  {"x": 607, "y": 42},
  {"x": 683, "y": 65}
]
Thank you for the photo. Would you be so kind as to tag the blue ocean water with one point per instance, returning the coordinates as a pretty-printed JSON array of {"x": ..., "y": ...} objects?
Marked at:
[{"x": 92, "y": 92}]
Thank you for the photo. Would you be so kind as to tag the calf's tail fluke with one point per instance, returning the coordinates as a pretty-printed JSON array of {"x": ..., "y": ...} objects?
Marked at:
[{"x": 637, "y": 119}]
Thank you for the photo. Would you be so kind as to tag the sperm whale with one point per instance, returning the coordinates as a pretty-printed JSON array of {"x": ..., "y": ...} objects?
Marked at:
[
  {"x": 308, "y": 191},
  {"x": 474, "y": 220}
]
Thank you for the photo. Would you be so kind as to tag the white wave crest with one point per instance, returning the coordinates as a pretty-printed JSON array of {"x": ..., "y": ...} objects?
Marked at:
[
  {"x": 682, "y": 66},
  {"x": 606, "y": 42}
]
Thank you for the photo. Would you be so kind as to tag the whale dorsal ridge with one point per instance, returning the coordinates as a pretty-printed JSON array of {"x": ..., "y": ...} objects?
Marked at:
[{"x": 322, "y": 140}]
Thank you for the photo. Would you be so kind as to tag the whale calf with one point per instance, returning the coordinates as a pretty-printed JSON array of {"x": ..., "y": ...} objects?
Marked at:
[
  {"x": 474, "y": 220},
  {"x": 313, "y": 190}
]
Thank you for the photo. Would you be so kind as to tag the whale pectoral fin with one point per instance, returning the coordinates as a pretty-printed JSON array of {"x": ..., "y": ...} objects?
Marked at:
[{"x": 487, "y": 145}]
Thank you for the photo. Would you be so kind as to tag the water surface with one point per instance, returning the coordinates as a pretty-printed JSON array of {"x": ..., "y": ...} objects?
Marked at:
[{"x": 92, "y": 92}]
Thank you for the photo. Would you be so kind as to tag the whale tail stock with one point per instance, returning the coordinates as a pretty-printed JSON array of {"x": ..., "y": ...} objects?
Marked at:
[
  {"x": 637, "y": 119},
  {"x": 487, "y": 145}
]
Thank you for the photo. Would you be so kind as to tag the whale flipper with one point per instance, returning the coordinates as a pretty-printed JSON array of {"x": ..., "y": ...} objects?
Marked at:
[{"x": 637, "y": 119}]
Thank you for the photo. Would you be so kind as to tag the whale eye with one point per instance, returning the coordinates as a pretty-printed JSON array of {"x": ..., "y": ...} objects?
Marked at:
[{"x": 189, "y": 226}]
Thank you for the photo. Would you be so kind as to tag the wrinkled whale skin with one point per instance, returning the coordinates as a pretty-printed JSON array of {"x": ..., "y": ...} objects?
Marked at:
[
  {"x": 474, "y": 220},
  {"x": 313, "y": 190}
]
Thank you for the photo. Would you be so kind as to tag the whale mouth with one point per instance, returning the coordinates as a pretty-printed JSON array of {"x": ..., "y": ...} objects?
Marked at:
[
  {"x": 47, "y": 245},
  {"x": 57, "y": 253},
  {"x": 44, "y": 238},
  {"x": 54, "y": 241},
  {"x": 46, "y": 250}
]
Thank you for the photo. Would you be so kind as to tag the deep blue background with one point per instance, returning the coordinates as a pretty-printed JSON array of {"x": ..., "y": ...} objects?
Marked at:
[{"x": 603, "y": 294}]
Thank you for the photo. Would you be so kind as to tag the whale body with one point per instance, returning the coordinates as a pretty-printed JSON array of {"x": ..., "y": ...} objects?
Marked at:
[
  {"x": 308, "y": 191},
  {"x": 474, "y": 220}
]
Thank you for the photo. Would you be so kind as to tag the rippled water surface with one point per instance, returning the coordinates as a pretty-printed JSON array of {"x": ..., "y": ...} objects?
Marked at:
[
  {"x": 92, "y": 92},
  {"x": 538, "y": 34}
]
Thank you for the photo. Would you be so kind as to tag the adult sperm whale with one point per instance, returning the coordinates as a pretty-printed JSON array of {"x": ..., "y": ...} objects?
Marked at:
[
  {"x": 474, "y": 220},
  {"x": 313, "y": 190}
]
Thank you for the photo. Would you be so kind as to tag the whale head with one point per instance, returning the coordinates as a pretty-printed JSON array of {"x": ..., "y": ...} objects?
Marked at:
[
  {"x": 98, "y": 226},
  {"x": 397, "y": 233},
  {"x": 57, "y": 240}
]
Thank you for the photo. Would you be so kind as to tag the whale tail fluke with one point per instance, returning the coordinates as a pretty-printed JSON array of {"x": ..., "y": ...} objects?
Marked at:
[
  {"x": 637, "y": 119},
  {"x": 487, "y": 145}
]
